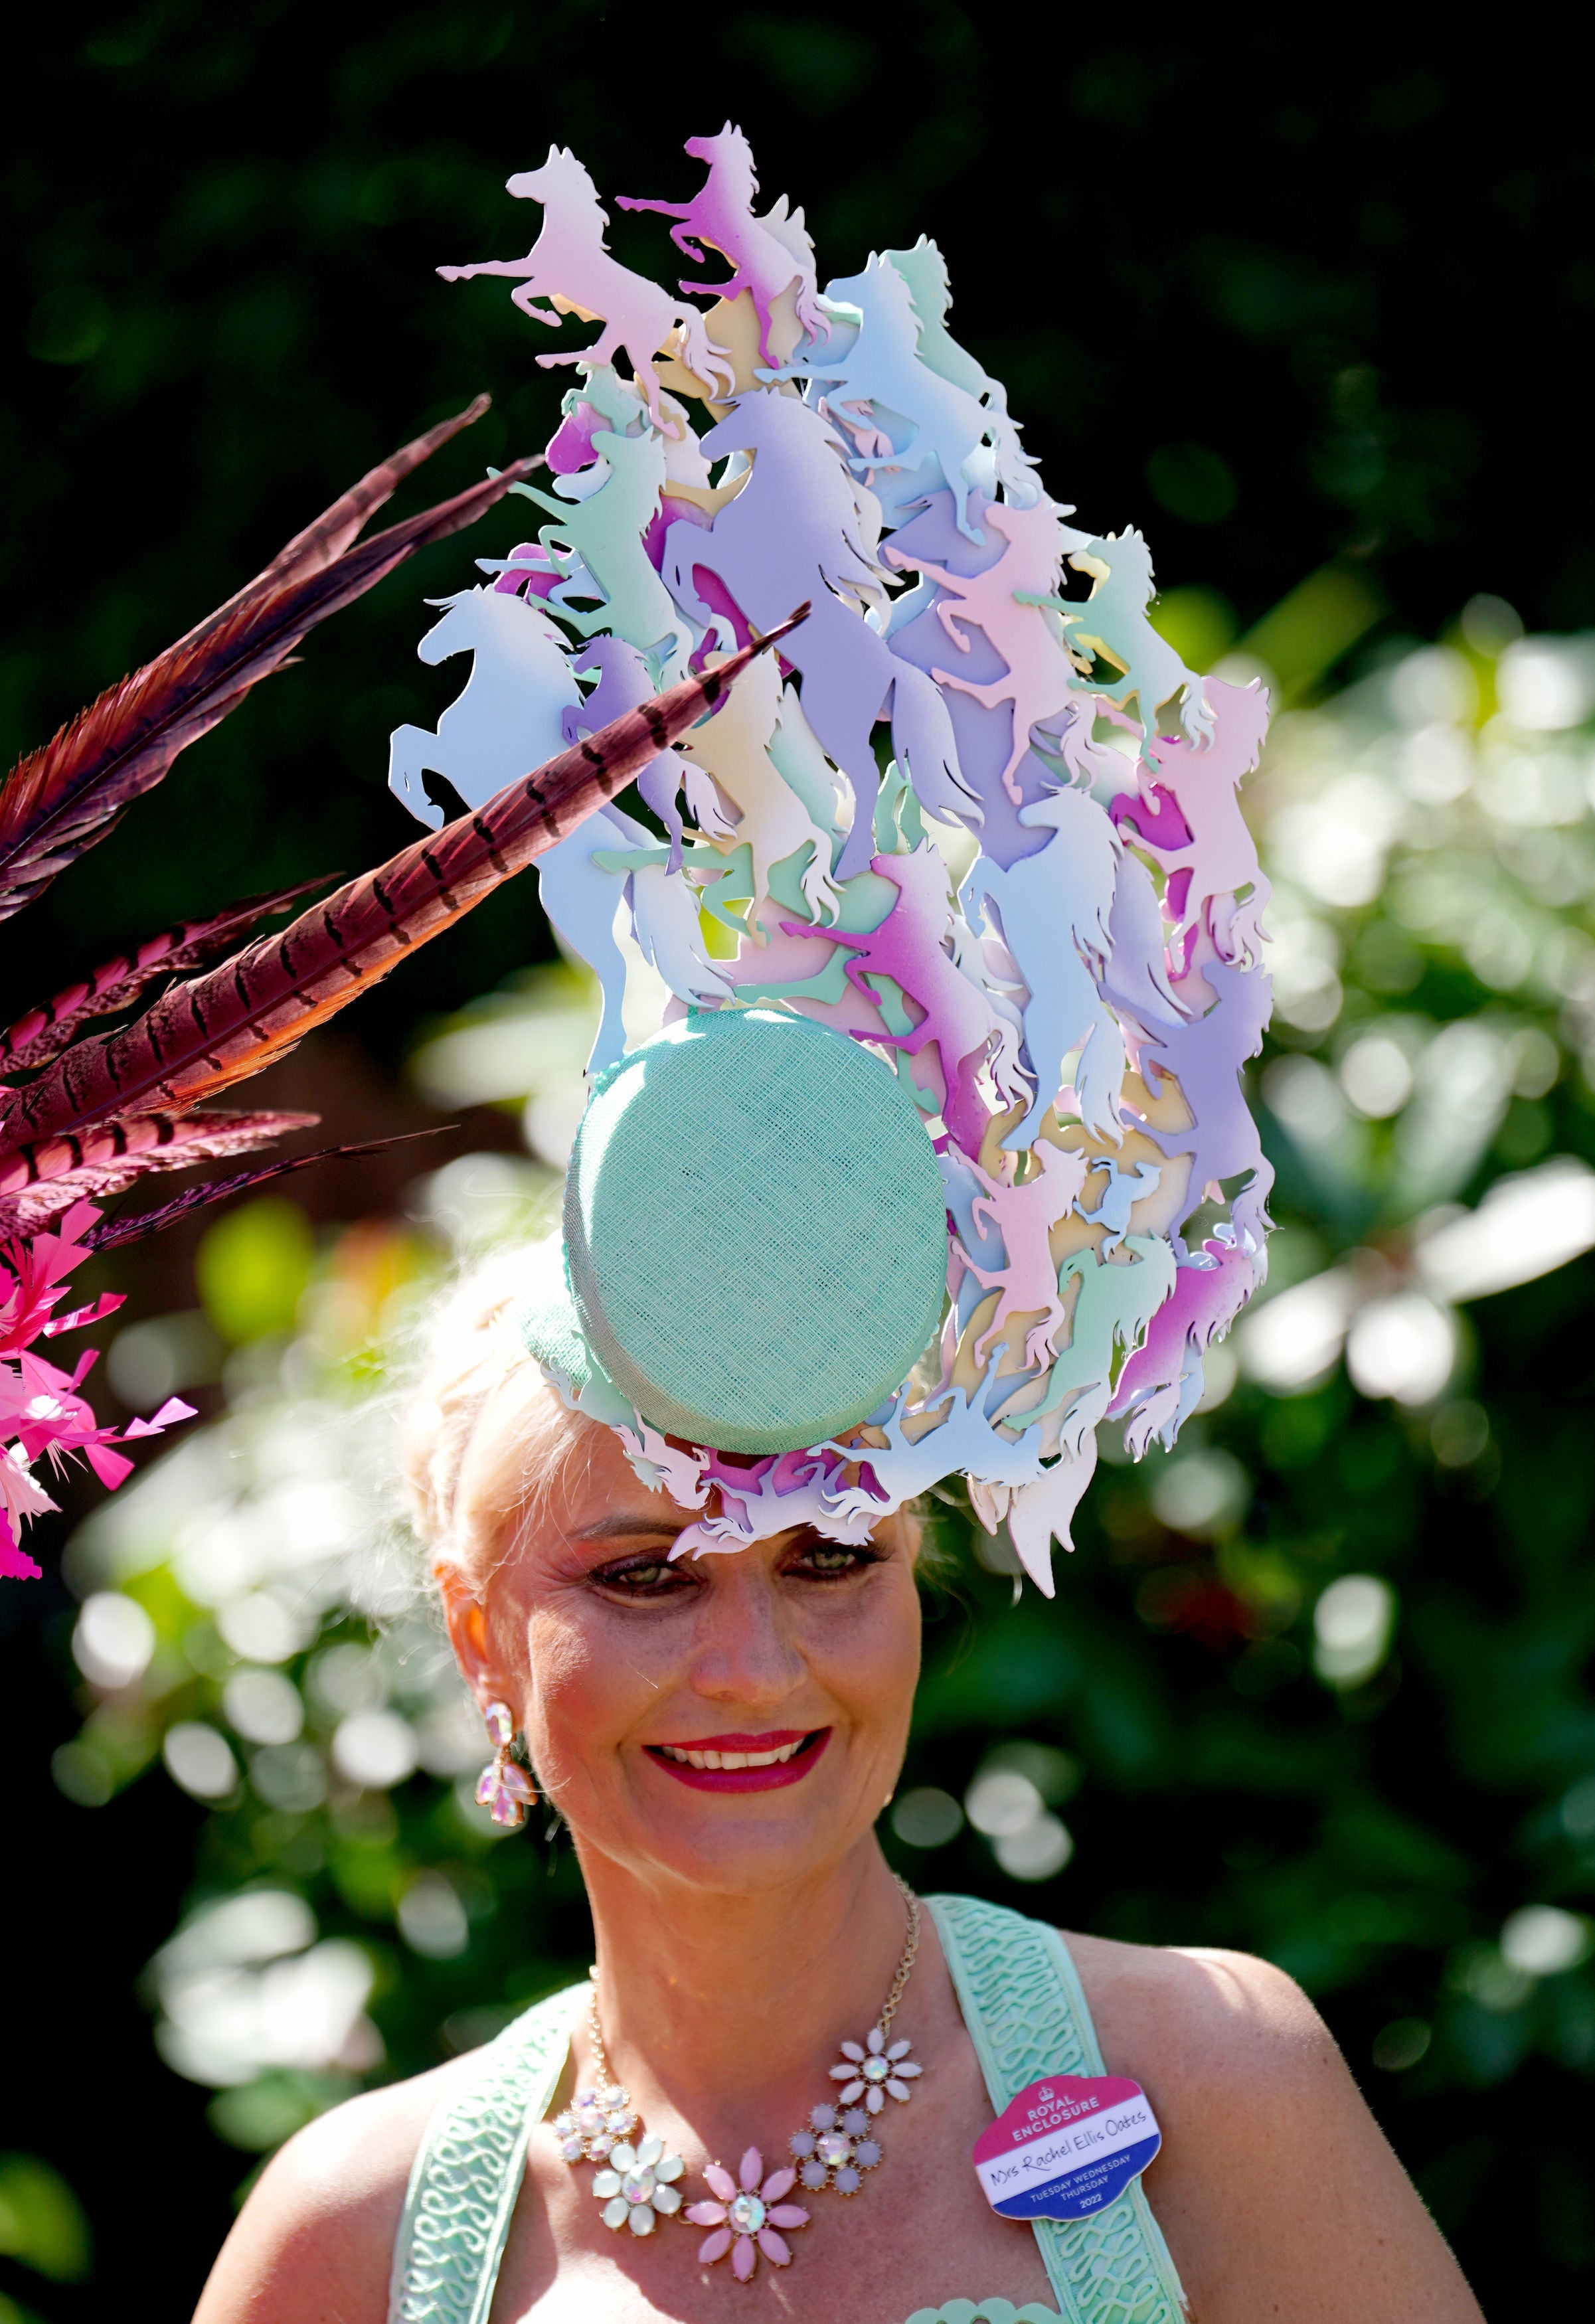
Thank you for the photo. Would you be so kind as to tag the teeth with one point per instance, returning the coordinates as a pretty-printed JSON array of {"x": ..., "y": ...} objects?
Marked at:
[{"x": 724, "y": 1759}]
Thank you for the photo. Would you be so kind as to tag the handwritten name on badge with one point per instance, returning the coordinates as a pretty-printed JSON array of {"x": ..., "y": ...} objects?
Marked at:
[{"x": 1066, "y": 2146}]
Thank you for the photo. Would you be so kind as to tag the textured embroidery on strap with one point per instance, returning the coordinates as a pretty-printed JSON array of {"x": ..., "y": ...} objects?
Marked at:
[
  {"x": 984, "y": 2311},
  {"x": 1028, "y": 2017},
  {"x": 467, "y": 2174}
]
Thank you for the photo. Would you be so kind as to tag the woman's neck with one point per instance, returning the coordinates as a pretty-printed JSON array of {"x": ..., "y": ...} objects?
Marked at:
[{"x": 730, "y": 2009}]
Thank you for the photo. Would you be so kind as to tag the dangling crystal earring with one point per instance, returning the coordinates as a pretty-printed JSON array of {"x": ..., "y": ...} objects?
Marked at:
[{"x": 503, "y": 1788}]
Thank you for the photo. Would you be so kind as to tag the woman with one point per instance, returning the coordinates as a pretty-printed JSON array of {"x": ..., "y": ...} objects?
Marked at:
[{"x": 746, "y": 1925}]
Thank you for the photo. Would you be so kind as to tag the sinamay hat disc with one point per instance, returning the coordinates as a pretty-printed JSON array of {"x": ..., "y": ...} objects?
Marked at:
[{"x": 755, "y": 1230}]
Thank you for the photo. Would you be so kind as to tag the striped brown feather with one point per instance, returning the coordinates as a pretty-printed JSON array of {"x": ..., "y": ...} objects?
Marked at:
[
  {"x": 200, "y": 1038},
  {"x": 43, "y": 1032},
  {"x": 39, "y": 1182},
  {"x": 66, "y": 795},
  {"x": 110, "y": 1234}
]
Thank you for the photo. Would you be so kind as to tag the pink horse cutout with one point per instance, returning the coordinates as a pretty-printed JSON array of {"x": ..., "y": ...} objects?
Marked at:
[
  {"x": 1161, "y": 1381},
  {"x": 959, "y": 1017},
  {"x": 1041, "y": 672},
  {"x": 1024, "y": 1215},
  {"x": 1217, "y": 855},
  {"x": 767, "y": 255},
  {"x": 570, "y": 261}
]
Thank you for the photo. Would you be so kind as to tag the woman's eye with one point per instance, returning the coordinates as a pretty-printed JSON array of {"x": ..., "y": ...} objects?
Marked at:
[
  {"x": 830, "y": 1561},
  {"x": 646, "y": 1577}
]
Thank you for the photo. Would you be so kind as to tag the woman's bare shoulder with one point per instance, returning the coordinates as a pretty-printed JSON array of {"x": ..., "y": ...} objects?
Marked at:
[
  {"x": 314, "y": 2243},
  {"x": 1199, "y": 2013},
  {"x": 1276, "y": 2186}
]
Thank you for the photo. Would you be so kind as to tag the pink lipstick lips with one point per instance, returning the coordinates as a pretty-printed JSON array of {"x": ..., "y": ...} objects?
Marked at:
[{"x": 741, "y": 1763}]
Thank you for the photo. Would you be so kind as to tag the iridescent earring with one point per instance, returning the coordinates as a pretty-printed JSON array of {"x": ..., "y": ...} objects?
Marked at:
[{"x": 503, "y": 1788}]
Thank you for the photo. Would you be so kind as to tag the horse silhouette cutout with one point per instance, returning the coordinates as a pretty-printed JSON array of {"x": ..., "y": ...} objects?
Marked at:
[
  {"x": 914, "y": 1457},
  {"x": 601, "y": 515},
  {"x": 1023, "y": 1213},
  {"x": 1161, "y": 1383},
  {"x": 1040, "y": 672},
  {"x": 1124, "y": 1191},
  {"x": 1205, "y": 1053},
  {"x": 802, "y": 527},
  {"x": 510, "y": 716},
  {"x": 767, "y": 255},
  {"x": 733, "y": 747},
  {"x": 608, "y": 860},
  {"x": 968, "y": 444},
  {"x": 924, "y": 271},
  {"x": 959, "y": 1018},
  {"x": 1113, "y": 622},
  {"x": 985, "y": 737},
  {"x": 569, "y": 264},
  {"x": 1112, "y": 1309},
  {"x": 1136, "y": 981},
  {"x": 1052, "y": 911},
  {"x": 1217, "y": 854},
  {"x": 625, "y": 682}
]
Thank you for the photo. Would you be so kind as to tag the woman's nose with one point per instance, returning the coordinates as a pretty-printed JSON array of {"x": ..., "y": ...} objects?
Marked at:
[{"x": 744, "y": 1650}]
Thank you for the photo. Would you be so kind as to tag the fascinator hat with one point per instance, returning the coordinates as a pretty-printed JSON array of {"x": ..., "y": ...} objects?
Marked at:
[{"x": 908, "y": 1182}]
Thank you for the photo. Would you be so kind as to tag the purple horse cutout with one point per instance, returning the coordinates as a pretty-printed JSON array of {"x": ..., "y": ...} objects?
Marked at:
[
  {"x": 1205, "y": 1055},
  {"x": 802, "y": 528},
  {"x": 767, "y": 255}
]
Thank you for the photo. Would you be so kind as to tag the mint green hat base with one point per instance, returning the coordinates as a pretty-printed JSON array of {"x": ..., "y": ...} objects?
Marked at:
[{"x": 755, "y": 1237}]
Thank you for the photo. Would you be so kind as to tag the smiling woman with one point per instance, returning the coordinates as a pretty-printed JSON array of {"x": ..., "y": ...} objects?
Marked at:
[{"x": 772, "y": 2020}]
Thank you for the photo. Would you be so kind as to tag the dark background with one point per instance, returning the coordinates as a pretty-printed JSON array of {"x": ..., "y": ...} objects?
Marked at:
[{"x": 1280, "y": 294}]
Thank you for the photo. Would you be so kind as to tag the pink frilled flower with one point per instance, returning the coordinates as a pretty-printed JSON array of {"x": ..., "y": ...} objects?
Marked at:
[
  {"x": 747, "y": 2216},
  {"x": 875, "y": 2073}
]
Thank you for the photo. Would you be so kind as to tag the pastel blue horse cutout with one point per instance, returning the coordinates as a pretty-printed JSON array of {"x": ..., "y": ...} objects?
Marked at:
[
  {"x": 803, "y": 529},
  {"x": 1052, "y": 911},
  {"x": 582, "y": 893},
  {"x": 510, "y": 716},
  {"x": 967, "y": 445}
]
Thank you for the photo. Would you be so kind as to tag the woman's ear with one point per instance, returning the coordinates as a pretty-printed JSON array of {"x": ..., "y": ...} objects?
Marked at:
[{"x": 466, "y": 1617}]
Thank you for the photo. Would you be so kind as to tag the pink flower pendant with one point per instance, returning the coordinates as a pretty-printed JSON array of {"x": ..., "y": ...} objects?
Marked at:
[
  {"x": 874, "y": 2072},
  {"x": 746, "y": 2217}
]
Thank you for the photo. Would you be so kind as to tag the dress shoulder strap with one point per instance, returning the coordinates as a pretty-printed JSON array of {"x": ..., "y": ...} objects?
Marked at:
[
  {"x": 1022, "y": 2002},
  {"x": 468, "y": 2169}
]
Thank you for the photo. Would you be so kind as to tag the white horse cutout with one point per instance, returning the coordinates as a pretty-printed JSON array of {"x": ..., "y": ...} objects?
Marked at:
[
  {"x": 569, "y": 262},
  {"x": 510, "y": 716}
]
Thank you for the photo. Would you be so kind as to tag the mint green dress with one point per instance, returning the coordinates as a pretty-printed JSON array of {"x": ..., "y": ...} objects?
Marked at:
[{"x": 1027, "y": 2016}]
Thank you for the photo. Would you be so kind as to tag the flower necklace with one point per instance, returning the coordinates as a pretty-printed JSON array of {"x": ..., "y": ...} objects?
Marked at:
[{"x": 637, "y": 2180}]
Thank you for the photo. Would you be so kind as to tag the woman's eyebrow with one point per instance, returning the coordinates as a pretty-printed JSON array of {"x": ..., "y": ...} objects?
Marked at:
[{"x": 618, "y": 1528}]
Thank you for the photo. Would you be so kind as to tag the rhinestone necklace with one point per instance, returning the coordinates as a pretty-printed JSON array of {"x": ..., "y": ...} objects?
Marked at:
[{"x": 638, "y": 2183}]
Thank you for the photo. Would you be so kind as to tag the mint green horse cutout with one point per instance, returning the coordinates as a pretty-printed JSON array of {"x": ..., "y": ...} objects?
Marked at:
[
  {"x": 1114, "y": 1306},
  {"x": 1113, "y": 621},
  {"x": 599, "y": 525}
]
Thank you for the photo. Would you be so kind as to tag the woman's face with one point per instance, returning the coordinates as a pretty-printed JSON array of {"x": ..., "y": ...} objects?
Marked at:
[{"x": 622, "y": 1664}]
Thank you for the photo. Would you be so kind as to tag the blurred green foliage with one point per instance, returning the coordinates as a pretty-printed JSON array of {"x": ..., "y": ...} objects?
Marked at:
[{"x": 1318, "y": 1685}]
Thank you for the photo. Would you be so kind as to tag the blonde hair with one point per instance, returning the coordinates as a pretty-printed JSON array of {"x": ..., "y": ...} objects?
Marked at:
[{"x": 485, "y": 1440}]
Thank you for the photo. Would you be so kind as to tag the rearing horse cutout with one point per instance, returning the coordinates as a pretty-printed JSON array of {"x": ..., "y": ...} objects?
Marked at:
[
  {"x": 767, "y": 255},
  {"x": 801, "y": 528},
  {"x": 570, "y": 262}
]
